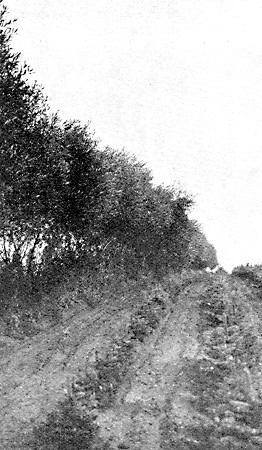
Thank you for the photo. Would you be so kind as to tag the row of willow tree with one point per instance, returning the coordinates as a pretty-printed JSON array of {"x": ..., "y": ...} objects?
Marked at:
[{"x": 65, "y": 200}]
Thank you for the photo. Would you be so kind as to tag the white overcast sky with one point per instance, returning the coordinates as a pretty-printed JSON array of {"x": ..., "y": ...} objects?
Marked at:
[{"x": 176, "y": 82}]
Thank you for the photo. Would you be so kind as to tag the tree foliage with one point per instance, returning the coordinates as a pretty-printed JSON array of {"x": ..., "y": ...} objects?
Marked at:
[
  {"x": 201, "y": 253},
  {"x": 48, "y": 172},
  {"x": 64, "y": 200},
  {"x": 152, "y": 220}
]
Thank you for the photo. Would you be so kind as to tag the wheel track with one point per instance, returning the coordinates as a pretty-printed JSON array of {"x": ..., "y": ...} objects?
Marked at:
[{"x": 145, "y": 398}]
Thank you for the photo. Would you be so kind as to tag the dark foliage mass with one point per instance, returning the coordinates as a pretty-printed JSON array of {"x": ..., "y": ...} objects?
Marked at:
[
  {"x": 251, "y": 275},
  {"x": 66, "y": 202}
]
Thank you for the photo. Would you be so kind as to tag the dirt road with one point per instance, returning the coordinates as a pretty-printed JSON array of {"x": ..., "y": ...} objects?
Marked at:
[
  {"x": 34, "y": 374},
  {"x": 154, "y": 389}
]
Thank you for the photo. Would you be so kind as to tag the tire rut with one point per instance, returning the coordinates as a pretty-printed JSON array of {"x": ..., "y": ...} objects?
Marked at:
[{"x": 146, "y": 397}]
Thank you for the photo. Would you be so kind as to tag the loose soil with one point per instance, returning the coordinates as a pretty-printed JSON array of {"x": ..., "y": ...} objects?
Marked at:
[
  {"x": 155, "y": 389},
  {"x": 35, "y": 374}
]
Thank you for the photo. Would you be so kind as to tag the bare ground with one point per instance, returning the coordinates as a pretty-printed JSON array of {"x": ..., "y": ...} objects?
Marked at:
[
  {"x": 155, "y": 389},
  {"x": 34, "y": 375}
]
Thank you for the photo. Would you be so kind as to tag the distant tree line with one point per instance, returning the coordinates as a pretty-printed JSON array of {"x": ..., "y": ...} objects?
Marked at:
[{"x": 64, "y": 200}]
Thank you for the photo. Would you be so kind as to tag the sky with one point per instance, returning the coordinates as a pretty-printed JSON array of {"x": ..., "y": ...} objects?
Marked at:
[{"x": 178, "y": 83}]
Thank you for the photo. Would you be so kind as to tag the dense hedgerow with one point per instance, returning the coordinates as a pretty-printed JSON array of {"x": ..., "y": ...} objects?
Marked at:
[{"x": 66, "y": 203}]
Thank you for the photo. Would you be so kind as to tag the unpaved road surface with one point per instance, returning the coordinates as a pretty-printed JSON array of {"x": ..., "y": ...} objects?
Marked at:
[
  {"x": 34, "y": 374},
  {"x": 155, "y": 389}
]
